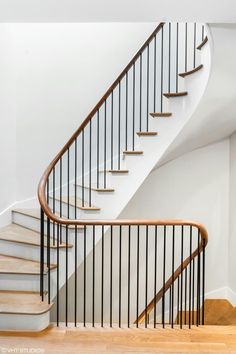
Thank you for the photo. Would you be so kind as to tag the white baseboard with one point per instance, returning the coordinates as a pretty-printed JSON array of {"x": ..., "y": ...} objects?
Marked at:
[
  {"x": 222, "y": 293},
  {"x": 5, "y": 215}
]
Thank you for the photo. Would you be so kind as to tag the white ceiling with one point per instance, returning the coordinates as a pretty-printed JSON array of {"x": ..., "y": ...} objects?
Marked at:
[
  {"x": 117, "y": 11},
  {"x": 215, "y": 117}
]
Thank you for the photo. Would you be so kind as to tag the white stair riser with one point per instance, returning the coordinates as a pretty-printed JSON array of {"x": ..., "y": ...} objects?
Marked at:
[
  {"x": 20, "y": 322},
  {"x": 21, "y": 282}
]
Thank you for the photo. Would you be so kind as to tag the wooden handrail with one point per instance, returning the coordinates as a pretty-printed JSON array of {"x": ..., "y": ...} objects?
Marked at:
[
  {"x": 173, "y": 277},
  {"x": 44, "y": 179}
]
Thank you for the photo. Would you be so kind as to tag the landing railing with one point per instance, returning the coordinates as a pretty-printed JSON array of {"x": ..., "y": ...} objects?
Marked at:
[{"x": 104, "y": 251}]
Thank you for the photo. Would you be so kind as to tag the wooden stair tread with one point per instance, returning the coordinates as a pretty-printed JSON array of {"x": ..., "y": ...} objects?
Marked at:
[
  {"x": 199, "y": 67},
  {"x": 133, "y": 152},
  {"x": 118, "y": 171},
  {"x": 18, "y": 234},
  {"x": 15, "y": 265},
  {"x": 22, "y": 302},
  {"x": 94, "y": 188},
  {"x": 78, "y": 203},
  {"x": 147, "y": 133},
  {"x": 35, "y": 213},
  {"x": 205, "y": 40},
  {"x": 161, "y": 114},
  {"x": 175, "y": 94}
]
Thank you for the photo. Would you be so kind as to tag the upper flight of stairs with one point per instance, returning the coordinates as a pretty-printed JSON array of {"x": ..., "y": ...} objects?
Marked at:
[{"x": 20, "y": 241}]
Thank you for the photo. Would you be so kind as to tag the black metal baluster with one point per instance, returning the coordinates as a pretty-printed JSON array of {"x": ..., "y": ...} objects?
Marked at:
[
  {"x": 66, "y": 285},
  {"x": 90, "y": 163},
  {"x": 173, "y": 270},
  {"x": 82, "y": 168},
  {"x": 169, "y": 61},
  {"x": 155, "y": 74},
  {"x": 76, "y": 241},
  {"x": 120, "y": 254},
  {"x": 105, "y": 144},
  {"x": 112, "y": 128},
  {"x": 162, "y": 73},
  {"x": 58, "y": 280},
  {"x": 194, "y": 46},
  {"x": 190, "y": 277},
  {"x": 102, "y": 275},
  {"x": 186, "y": 47},
  {"x": 202, "y": 33},
  {"x": 53, "y": 201},
  {"x": 193, "y": 293},
  {"x": 170, "y": 301},
  {"x": 147, "y": 86},
  {"x": 146, "y": 279},
  {"x": 60, "y": 197},
  {"x": 48, "y": 249},
  {"x": 119, "y": 123},
  {"x": 137, "y": 300},
  {"x": 93, "y": 291},
  {"x": 198, "y": 280},
  {"x": 42, "y": 254},
  {"x": 203, "y": 283},
  {"x": 111, "y": 270},
  {"x": 128, "y": 310},
  {"x": 126, "y": 109},
  {"x": 177, "y": 57},
  {"x": 140, "y": 93},
  {"x": 178, "y": 282},
  {"x": 185, "y": 302},
  {"x": 133, "y": 105},
  {"x": 98, "y": 142},
  {"x": 85, "y": 274},
  {"x": 181, "y": 286},
  {"x": 155, "y": 277},
  {"x": 164, "y": 278}
]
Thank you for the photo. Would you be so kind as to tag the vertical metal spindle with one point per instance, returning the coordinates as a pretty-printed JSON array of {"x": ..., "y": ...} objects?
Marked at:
[
  {"x": 194, "y": 45},
  {"x": 85, "y": 274},
  {"x": 203, "y": 283},
  {"x": 126, "y": 109},
  {"x": 140, "y": 92},
  {"x": 82, "y": 168},
  {"x": 173, "y": 270},
  {"x": 162, "y": 61},
  {"x": 185, "y": 295},
  {"x": 202, "y": 32},
  {"x": 90, "y": 163},
  {"x": 181, "y": 284},
  {"x": 111, "y": 271},
  {"x": 198, "y": 280},
  {"x": 119, "y": 124},
  {"x": 177, "y": 57},
  {"x": 60, "y": 195},
  {"x": 169, "y": 61},
  {"x": 93, "y": 290},
  {"x": 48, "y": 249},
  {"x": 102, "y": 275},
  {"x": 186, "y": 47},
  {"x": 178, "y": 282},
  {"x": 128, "y": 310},
  {"x": 147, "y": 86},
  {"x": 146, "y": 279},
  {"x": 53, "y": 201},
  {"x": 58, "y": 280},
  {"x": 68, "y": 183},
  {"x": 155, "y": 74},
  {"x": 164, "y": 278},
  {"x": 190, "y": 277},
  {"x": 137, "y": 292},
  {"x": 105, "y": 144},
  {"x": 133, "y": 105},
  {"x": 66, "y": 280},
  {"x": 76, "y": 241},
  {"x": 170, "y": 302},
  {"x": 112, "y": 128},
  {"x": 42, "y": 253},
  {"x": 120, "y": 254},
  {"x": 193, "y": 293},
  {"x": 98, "y": 142},
  {"x": 155, "y": 277}
]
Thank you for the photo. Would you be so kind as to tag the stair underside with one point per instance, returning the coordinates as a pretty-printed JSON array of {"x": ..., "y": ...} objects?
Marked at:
[
  {"x": 22, "y": 303},
  {"x": 18, "y": 234},
  {"x": 14, "y": 265}
]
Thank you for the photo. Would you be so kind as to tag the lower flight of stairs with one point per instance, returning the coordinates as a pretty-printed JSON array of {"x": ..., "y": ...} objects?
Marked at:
[{"x": 218, "y": 312}]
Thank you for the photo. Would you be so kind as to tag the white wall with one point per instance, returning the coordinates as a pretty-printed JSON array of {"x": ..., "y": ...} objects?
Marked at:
[
  {"x": 196, "y": 187},
  {"x": 51, "y": 76},
  {"x": 232, "y": 203}
]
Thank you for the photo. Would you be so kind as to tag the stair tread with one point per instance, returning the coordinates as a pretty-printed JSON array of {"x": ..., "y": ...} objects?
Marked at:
[
  {"x": 147, "y": 133},
  {"x": 15, "y": 265},
  {"x": 78, "y": 203},
  {"x": 22, "y": 302},
  {"x": 35, "y": 213},
  {"x": 161, "y": 114},
  {"x": 199, "y": 47},
  {"x": 94, "y": 188},
  {"x": 199, "y": 67},
  {"x": 175, "y": 94},
  {"x": 133, "y": 152},
  {"x": 19, "y": 234},
  {"x": 118, "y": 171}
]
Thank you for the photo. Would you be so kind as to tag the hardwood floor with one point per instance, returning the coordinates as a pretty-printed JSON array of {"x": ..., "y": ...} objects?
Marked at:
[{"x": 208, "y": 339}]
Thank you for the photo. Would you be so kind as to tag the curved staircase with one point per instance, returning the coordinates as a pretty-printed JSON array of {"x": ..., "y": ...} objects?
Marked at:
[{"x": 88, "y": 184}]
